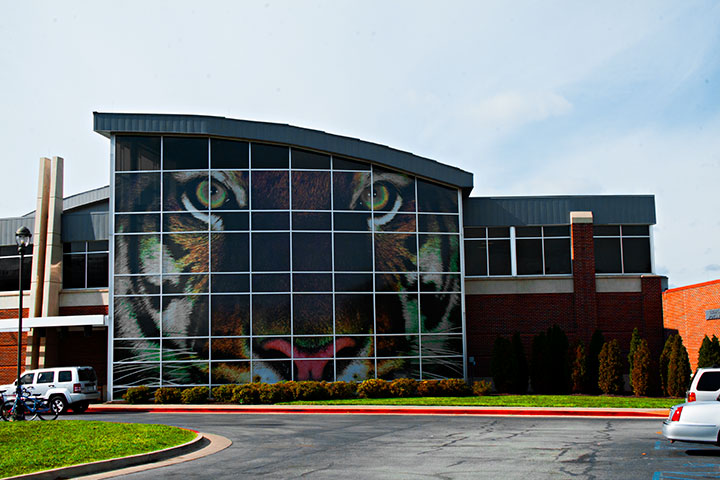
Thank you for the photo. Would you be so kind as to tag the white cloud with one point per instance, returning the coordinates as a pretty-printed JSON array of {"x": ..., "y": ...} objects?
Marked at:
[{"x": 509, "y": 110}]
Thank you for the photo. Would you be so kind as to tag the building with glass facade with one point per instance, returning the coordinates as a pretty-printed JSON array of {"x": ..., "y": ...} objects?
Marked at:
[{"x": 227, "y": 251}]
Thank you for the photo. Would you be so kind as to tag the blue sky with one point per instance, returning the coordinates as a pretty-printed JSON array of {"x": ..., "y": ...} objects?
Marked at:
[{"x": 533, "y": 98}]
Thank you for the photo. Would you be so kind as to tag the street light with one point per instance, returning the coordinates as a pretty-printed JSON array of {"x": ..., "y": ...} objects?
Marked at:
[{"x": 22, "y": 238}]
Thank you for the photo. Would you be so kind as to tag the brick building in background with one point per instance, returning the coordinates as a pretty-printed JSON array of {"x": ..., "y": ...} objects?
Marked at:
[
  {"x": 693, "y": 311},
  {"x": 501, "y": 264}
]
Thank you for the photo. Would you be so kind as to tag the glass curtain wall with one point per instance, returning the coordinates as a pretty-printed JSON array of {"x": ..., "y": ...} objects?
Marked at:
[{"x": 236, "y": 261}]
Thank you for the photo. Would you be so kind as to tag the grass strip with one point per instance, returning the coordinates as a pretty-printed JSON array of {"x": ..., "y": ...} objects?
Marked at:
[
  {"x": 586, "y": 401},
  {"x": 32, "y": 446}
]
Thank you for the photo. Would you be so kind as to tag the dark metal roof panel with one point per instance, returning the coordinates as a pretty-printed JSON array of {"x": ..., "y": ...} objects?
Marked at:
[
  {"x": 108, "y": 124},
  {"x": 83, "y": 226},
  {"x": 8, "y": 227},
  {"x": 555, "y": 210}
]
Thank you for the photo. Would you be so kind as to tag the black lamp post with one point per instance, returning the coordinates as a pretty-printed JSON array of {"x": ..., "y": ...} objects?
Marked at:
[{"x": 22, "y": 238}]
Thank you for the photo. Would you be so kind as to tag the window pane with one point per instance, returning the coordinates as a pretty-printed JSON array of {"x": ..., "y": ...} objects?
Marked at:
[
  {"x": 398, "y": 346},
  {"x": 312, "y": 282},
  {"x": 439, "y": 253},
  {"x": 358, "y": 222},
  {"x": 312, "y": 252},
  {"x": 475, "y": 257},
  {"x": 230, "y": 252},
  {"x": 271, "y": 221},
  {"x": 353, "y": 282},
  {"x": 434, "y": 369},
  {"x": 230, "y": 315},
  {"x": 607, "y": 255},
  {"x": 74, "y": 247},
  {"x": 230, "y": 283},
  {"x": 396, "y": 313},
  {"x": 185, "y": 316},
  {"x": 73, "y": 271},
  {"x": 436, "y": 198},
  {"x": 311, "y": 190},
  {"x": 271, "y": 282},
  {"x": 182, "y": 153},
  {"x": 439, "y": 223},
  {"x": 391, "y": 192},
  {"x": 606, "y": 230},
  {"x": 557, "y": 231},
  {"x": 230, "y": 349},
  {"x": 185, "y": 253},
  {"x": 353, "y": 252},
  {"x": 271, "y": 314},
  {"x": 97, "y": 270},
  {"x": 137, "y": 192},
  {"x": 185, "y": 283},
  {"x": 311, "y": 221},
  {"x": 230, "y": 372},
  {"x": 557, "y": 256},
  {"x": 137, "y": 254},
  {"x": 127, "y": 351},
  {"x": 270, "y": 191},
  {"x": 308, "y": 159},
  {"x": 353, "y": 314},
  {"x": 228, "y": 154},
  {"x": 228, "y": 190},
  {"x": 635, "y": 230},
  {"x": 137, "y": 284},
  {"x": 499, "y": 253},
  {"x": 498, "y": 232},
  {"x": 440, "y": 313},
  {"x": 636, "y": 255},
  {"x": 394, "y": 282},
  {"x": 271, "y": 252},
  {"x": 475, "y": 232},
  {"x": 348, "y": 189},
  {"x": 528, "y": 231},
  {"x": 395, "y": 252},
  {"x": 401, "y": 222},
  {"x": 439, "y": 283},
  {"x": 137, "y": 223},
  {"x": 441, "y": 345},
  {"x": 137, "y": 153},
  {"x": 529, "y": 257},
  {"x": 183, "y": 222},
  {"x": 340, "y": 163},
  {"x": 313, "y": 315},
  {"x": 136, "y": 317},
  {"x": 186, "y": 190},
  {"x": 98, "y": 246},
  {"x": 269, "y": 156},
  {"x": 229, "y": 221}
]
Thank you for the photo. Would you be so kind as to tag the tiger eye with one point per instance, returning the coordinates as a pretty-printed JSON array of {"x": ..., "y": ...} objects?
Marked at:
[{"x": 380, "y": 197}]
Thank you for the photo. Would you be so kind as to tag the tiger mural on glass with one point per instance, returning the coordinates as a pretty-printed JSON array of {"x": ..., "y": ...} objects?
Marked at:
[{"x": 400, "y": 299}]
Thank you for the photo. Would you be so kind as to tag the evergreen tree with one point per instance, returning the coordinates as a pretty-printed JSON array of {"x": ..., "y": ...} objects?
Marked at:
[
  {"x": 664, "y": 362},
  {"x": 610, "y": 371},
  {"x": 520, "y": 380},
  {"x": 678, "y": 376},
  {"x": 558, "y": 364},
  {"x": 634, "y": 342},
  {"x": 502, "y": 365},
  {"x": 709, "y": 354},
  {"x": 538, "y": 363},
  {"x": 596, "y": 344},
  {"x": 640, "y": 373},
  {"x": 579, "y": 367}
]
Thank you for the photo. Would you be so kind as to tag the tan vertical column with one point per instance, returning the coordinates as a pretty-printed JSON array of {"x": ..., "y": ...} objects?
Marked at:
[
  {"x": 35, "y": 343},
  {"x": 54, "y": 251}
]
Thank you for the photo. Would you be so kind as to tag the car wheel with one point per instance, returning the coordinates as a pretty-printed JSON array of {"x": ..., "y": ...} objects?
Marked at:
[
  {"x": 59, "y": 404},
  {"x": 80, "y": 407}
]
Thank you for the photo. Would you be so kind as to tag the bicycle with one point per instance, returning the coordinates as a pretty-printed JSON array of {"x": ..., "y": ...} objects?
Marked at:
[{"x": 27, "y": 404}]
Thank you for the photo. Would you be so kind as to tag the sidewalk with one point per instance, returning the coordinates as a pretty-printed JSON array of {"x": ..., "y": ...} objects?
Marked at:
[{"x": 385, "y": 410}]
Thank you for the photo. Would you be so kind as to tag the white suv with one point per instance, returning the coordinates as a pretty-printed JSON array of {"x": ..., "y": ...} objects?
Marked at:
[
  {"x": 65, "y": 387},
  {"x": 705, "y": 386}
]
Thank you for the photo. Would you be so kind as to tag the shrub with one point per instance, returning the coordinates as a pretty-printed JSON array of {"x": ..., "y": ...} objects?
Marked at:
[
  {"x": 224, "y": 393},
  {"x": 709, "y": 354},
  {"x": 678, "y": 376},
  {"x": 592, "y": 364},
  {"x": 503, "y": 365},
  {"x": 664, "y": 362},
  {"x": 520, "y": 378},
  {"x": 286, "y": 391},
  {"x": 403, "y": 387},
  {"x": 557, "y": 374},
  {"x": 640, "y": 373},
  {"x": 340, "y": 390},
  {"x": 454, "y": 387},
  {"x": 429, "y": 388},
  {"x": 578, "y": 371},
  {"x": 537, "y": 364},
  {"x": 634, "y": 343},
  {"x": 481, "y": 387},
  {"x": 311, "y": 390},
  {"x": 195, "y": 395},
  {"x": 135, "y": 395},
  {"x": 167, "y": 395},
  {"x": 247, "y": 394},
  {"x": 374, "y": 388},
  {"x": 610, "y": 376}
]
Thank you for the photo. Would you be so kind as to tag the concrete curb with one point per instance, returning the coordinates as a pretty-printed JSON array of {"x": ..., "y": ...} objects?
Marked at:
[
  {"x": 108, "y": 468},
  {"x": 385, "y": 410}
]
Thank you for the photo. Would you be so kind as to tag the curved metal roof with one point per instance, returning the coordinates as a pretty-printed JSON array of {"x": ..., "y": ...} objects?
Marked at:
[{"x": 108, "y": 124}]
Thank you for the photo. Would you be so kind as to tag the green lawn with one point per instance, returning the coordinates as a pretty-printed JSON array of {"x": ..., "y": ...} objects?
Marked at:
[
  {"x": 32, "y": 446},
  {"x": 600, "y": 401}
]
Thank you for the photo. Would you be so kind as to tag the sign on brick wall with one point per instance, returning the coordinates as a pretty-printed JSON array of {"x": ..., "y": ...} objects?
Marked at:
[{"x": 713, "y": 314}]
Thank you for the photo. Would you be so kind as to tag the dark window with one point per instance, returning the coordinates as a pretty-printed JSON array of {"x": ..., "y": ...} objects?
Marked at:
[
  {"x": 529, "y": 257},
  {"x": 557, "y": 256},
  {"x": 475, "y": 257},
  {"x": 557, "y": 231},
  {"x": 73, "y": 271},
  {"x": 311, "y": 221},
  {"x": 607, "y": 255},
  {"x": 311, "y": 190},
  {"x": 475, "y": 232},
  {"x": 97, "y": 270},
  {"x": 353, "y": 313},
  {"x": 499, "y": 253},
  {"x": 137, "y": 223},
  {"x": 709, "y": 382},
  {"x": 606, "y": 230},
  {"x": 632, "y": 230},
  {"x": 436, "y": 198},
  {"x": 9, "y": 278},
  {"x": 398, "y": 252},
  {"x": 310, "y": 160},
  {"x": 230, "y": 283},
  {"x": 270, "y": 190},
  {"x": 438, "y": 223},
  {"x": 45, "y": 377},
  {"x": 230, "y": 221},
  {"x": 439, "y": 252},
  {"x": 271, "y": 282},
  {"x": 636, "y": 255},
  {"x": 228, "y": 154},
  {"x": 98, "y": 246},
  {"x": 64, "y": 376},
  {"x": 528, "y": 231},
  {"x": 182, "y": 153},
  {"x": 185, "y": 284},
  {"x": 353, "y": 282},
  {"x": 340, "y": 163},
  {"x": 345, "y": 190},
  {"x": 352, "y": 221},
  {"x": 183, "y": 188},
  {"x": 353, "y": 252},
  {"x": 271, "y": 252},
  {"x": 312, "y": 282},
  {"x": 271, "y": 221},
  {"x": 82, "y": 269},
  {"x": 137, "y": 153},
  {"x": 498, "y": 232},
  {"x": 313, "y": 315},
  {"x": 137, "y": 192},
  {"x": 269, "y": 156},
  {"x": 312, "y": 251},
  {"x": 230, "y": 315},
  {"x": 86, "y": 375},
  {"x": 271, "y": 315},
  {"x": 230, "y": 252}
]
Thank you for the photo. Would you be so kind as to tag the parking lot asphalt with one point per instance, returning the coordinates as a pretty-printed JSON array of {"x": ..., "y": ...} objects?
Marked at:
[{"x": 430, "y": 446}]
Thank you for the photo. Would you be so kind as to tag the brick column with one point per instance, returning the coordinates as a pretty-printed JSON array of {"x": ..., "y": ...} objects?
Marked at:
[
  {"x": 583, "y": 265},
  {"x": 652, "y": 311}
]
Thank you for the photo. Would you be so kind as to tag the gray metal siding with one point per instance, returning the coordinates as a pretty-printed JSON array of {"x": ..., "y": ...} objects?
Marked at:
[
  {"x": 83, "y": 226},
  {"x": 86, "y": 198},
  {"x": 8, "y": 227},
  {"x": 607, "y": 209},
  {"x": 111, "y": 123}
]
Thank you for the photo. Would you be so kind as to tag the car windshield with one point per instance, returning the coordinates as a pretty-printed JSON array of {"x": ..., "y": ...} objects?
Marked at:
[{"x": 86, "y": 375}]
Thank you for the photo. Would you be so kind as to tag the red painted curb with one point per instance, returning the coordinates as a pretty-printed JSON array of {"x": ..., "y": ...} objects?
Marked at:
[{"x": 383, "y": 411}]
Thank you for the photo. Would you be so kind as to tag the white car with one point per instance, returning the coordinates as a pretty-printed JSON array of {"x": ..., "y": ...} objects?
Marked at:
[
  {"x": 696, "y": 422},
  {"x": 65, "y": 387},
  {"x": 705, "y": 385}
]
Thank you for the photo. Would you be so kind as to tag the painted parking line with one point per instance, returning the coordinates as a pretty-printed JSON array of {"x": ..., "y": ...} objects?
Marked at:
[{"x": 684, "y": 475}]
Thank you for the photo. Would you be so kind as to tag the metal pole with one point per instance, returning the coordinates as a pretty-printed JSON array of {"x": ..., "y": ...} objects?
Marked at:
[{"x": 18, "y": 411}]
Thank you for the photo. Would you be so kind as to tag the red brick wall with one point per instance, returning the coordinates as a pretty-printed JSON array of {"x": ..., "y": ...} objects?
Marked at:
[
  {"x": 583, "y": 267},
  {"x": 84, "y": 310},
  {"x": 684, "y": 311},
  {"x": 8, "y": 356}
]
